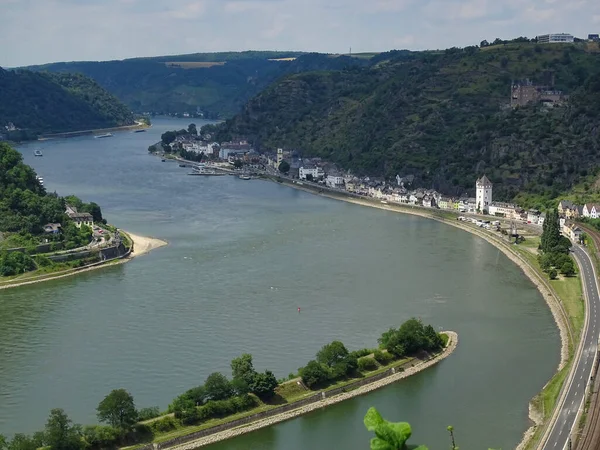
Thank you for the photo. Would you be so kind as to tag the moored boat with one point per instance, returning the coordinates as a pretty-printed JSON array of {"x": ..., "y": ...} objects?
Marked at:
[
  {"x": 105, "y": 135},
  {"x": 37, "y": 153}
]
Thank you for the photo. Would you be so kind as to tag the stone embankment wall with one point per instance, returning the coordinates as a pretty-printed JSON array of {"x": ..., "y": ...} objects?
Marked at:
[{"x": 319, "y": 400}]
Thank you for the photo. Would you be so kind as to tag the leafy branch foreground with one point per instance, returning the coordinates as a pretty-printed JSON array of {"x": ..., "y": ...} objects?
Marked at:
[{"x": 393, "y": 435}]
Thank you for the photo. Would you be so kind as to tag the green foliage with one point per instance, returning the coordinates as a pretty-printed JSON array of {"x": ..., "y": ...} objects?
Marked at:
[
  {"x": 14, "y": 263},
  {"x": 314, "y": 374},
  {"x": 148, "y": 413},
  {"x": 60, "y": 433},
  {"x": 553, "y": 274},
  {"x": 100, "y": 436},
  {"x": 44, "y": 103},
  {"x": 441, "y": 118},
  {"x": 243, "y": 368},
  {"x": 22, "y": 442},
  {"x": 388, "y": 435},
  {"x": 551, "y": 231},
  {"x": 192, "y": 129},
  {"x": 567, "y": 268},
  {"x": 164, "y": 424},
  {"x": 218, "y": 387},
  {"x": 263, "y": 384},
  {"x": 410, "y": 338},
  {"x": 336, "y": 357},
  {"x": 118, "y": 409},
  {"x": 284, "y": 167},
  {"x": 366, "y": 364},
  {"x": 383, "y": 358}
]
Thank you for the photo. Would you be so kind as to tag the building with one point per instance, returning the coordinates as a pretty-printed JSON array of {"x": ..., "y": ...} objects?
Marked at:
[
  {"x": 279, "y": 157},
  {"x": 500, "y": 209},
  {"x": 315, "y": 173},
  {"x": 555, "y": 38},
  {"x": 525, "y": 92},
  {"x": 334, "y": 180},
  {"x": 483, "y": 194},
  {"x": 428, "y": 202},
  {"x": 594, "y": 37},
  {"x": 572, "y": 231},
  {"x": 445, "y": 203},
  {"x": 564, "y": 206},
  {"x": 591, "y": 210},
  {"x": 80, "y": 218}
]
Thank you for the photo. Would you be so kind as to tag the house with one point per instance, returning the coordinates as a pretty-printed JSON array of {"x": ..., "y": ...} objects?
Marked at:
[
  {"x": 334, "y": 180},
  {"x": 428, "y": 201},
  {"x": 555, "y": 38},
  {"x": 591, "y": 210},
  {"x": 445, "y": 203},
  {"x": 52, "y": 228},
  {"x": 572, "y": 231},
  {"x": 564, "y": 207},
  {"x": 309, "y": 170},
  {"x": 79, "y": 218},
  {"x": 533, "y": 216},
  {"x": 500, "y": 209},
  {"x": 413, "y": 199}
]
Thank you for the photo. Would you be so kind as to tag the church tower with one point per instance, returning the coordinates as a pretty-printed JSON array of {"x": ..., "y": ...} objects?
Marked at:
[
  {"x": 279, "y": 156},
  {"x": 483, "y": 196}
]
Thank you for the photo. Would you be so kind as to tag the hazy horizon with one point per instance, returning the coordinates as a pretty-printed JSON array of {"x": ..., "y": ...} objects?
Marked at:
[{"x": 106, "y": 30}]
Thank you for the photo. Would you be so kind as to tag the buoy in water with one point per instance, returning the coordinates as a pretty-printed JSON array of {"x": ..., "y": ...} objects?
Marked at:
[{"x": 298, "y": 309}]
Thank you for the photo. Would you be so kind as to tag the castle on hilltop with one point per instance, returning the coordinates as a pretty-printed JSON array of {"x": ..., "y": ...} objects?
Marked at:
[{"x": 483, "y": 194}]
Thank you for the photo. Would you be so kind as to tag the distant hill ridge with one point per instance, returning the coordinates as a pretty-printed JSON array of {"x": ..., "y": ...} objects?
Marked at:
[
  {"x": 54, "y": 103},
  {"x": 218, "y": 88}
]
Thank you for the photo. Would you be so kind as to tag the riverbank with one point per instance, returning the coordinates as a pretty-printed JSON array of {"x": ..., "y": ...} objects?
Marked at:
[
  {"x": 141, "y": 246},
  {"x": 234, "y": 429},
  {"x": 561, "y": 318}
]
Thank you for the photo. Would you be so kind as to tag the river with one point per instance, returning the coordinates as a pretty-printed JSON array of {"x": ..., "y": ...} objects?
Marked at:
[{"x": 242, "y": 257}]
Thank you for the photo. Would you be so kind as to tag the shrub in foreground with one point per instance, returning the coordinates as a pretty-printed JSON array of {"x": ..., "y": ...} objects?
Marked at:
[{"x": 367, "y": 364}]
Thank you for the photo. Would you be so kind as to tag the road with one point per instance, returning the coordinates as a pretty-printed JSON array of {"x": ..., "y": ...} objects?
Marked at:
[{"x": 573, "y": 398}]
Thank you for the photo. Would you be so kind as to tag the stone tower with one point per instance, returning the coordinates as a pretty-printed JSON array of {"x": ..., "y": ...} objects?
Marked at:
[
  {"x": 483, "y": 196},
  {"x": 279, "y": 156}
]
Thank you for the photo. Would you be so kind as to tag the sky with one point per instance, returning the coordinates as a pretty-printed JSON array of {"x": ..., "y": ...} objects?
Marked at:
[{"x": 42, "y": 31}]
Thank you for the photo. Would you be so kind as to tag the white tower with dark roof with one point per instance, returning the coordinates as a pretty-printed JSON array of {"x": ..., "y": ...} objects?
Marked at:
[{"x": 483, "y": 196}]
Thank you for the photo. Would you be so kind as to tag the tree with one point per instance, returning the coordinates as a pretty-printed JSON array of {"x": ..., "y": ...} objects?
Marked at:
[
  {"x": 484, "y": 43},
  {"x": 284, "y": 167},
  {"x": 196, "y": 395},
  {"x": 545, "y": 262},
  {"x": 567, "y": 269},
  {"x": 332, "y": 354},
  {"x": 388, "y": 435},
  {"x": 192, "y": 129},
  {"x": 21, "y": 442},
  {"x": 218, "y": 387},
  {"x": 118, "y": 409},
  {"x": 550, "y": 231},
  {"x": 242, "y": 368},
  {"x": 168, "y": 137},
  {"x": 238, "y": 164},
  {"x": 148, "y": 413},
  {"x": 263, "y": 384},
  {"x": 314, "y": 374},
  {"x": 3, "y": 442},
  {"x": 60, "y": 432},
  {"x": 553, "y": 274},
  {"x": 240, "y": 386}
]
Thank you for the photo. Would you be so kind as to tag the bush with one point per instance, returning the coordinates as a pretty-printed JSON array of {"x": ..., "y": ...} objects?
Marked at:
[
  {"x": 553, "y": 274},
  {"x": 223, "y": 408},
  {"x": 362, "y": 352},
  {"x": 367, "y": 364},
  {"x": 383, "y": 358},
  {"x": 164, "y": 425},
  {"x": 148, "y": 413},
  {"x": 101, "y": 436}
]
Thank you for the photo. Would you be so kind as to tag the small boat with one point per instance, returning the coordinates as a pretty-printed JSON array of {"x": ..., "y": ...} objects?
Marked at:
[
  {"x": 105, "y": 135},
  {"x": 37, "y": 153},
  {"x": 245, "y": 177},
  {"x": 182, "y": 165},
  {"x": 143, "y": 130},
  {"x": 162, "y": 160}
]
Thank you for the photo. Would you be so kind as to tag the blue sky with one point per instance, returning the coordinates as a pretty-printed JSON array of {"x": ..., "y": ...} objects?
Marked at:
[{"x": 40, "y": 31}]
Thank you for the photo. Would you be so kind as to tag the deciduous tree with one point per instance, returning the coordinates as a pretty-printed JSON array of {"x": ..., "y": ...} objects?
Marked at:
[{"x": 118, "y": 409}]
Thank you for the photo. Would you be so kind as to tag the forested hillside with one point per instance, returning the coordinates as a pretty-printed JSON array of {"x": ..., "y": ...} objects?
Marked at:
[
  {"x": 43, "y": 103},
  {"x": 441, "y": 116},
  {"x": 218, "y": 84}
]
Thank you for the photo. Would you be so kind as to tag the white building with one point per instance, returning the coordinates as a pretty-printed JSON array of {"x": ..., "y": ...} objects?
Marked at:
[
  {"x": 502, "y": 209},
  {"x": 334, "y": 180},
  {"x": 314, "y": 172},
  {"x": 555, "y": 38},
  {"x": 483, "y": 197},
  {"x": 591, "y": 210}
]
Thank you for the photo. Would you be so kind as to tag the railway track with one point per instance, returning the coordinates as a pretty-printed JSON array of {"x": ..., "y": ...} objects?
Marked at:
[{"x": 589, "y": 438}]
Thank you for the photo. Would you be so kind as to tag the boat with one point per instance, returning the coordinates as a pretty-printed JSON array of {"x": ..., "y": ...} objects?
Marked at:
[
  {"x": 105, "y": 135},
  {"x": 143, "y": 130},
  {"x": 37, "y": 153},
  {"x": 245, "y": 177},
  {"x": 162, "y": 160}
]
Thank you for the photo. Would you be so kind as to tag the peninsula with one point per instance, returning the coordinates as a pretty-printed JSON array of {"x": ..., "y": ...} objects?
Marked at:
[{"x": 44, "y": 236}]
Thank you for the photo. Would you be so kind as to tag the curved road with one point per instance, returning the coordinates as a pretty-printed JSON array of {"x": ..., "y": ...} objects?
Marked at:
[{"x": 573, "y": 394}]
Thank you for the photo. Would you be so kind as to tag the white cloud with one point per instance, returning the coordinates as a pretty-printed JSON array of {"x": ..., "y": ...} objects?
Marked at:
[{"x": 66, "y": 30}]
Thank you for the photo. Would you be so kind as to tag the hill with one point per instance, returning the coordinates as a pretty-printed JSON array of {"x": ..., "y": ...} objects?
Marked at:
[
  {"x": 218, "y": 84},
  {"x": 441, "y": 116},
  {"x": 43, "y": 103}
]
